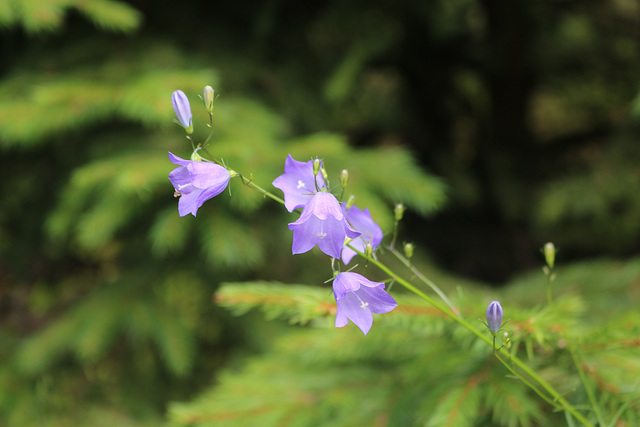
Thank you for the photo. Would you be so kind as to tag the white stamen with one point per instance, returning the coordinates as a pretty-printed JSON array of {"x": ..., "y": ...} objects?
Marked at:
[
  {"x": 364, "y": 304},
  {"x": 300, "y": 184},
  {"x": 322, "y": 235}
]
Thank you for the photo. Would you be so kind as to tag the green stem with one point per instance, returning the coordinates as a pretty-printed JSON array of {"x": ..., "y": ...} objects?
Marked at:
[
  {"x": 526, "y": 382},
  {"x": 558, "y": 401},
  {"x": 424, "y": 279},
  {"x": 272, "y": 196},
  {"x": 562, "y": 403},
  {"x": 549, "y": 280}
]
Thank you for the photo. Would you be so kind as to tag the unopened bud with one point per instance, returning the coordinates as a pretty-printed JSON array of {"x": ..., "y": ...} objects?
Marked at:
[
  {"x": 408, "y": 250},
  {"x": 344, "y": 178},
  {"x": 316, "y": 166},
  {"x": 182, "y": 109},
  {"x": 195, "y": 156},
  {"x": 549, "y": 251},
  {"x": 494, "y": 316},
  {"x": 399, "y": 211},
  {"x": 323, "y": 171},
  {"x": 208, "y": 97},
  {"x": 350, "y": 201},
  {"x": 368, "y": 250}
]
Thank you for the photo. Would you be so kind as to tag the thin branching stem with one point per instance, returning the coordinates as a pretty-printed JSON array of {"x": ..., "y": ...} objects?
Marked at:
[
  {"x": 424, "y": 279},
  {"x": 556, "y": 400},
  {"x": 562, "y": 403}
]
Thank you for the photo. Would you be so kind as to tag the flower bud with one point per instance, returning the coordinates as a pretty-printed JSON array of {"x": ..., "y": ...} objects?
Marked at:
[
  {"x": 506, "y": 341},
  {"x": 399, "y": 211},
  {"x": 195, "y": 156},
  {"x": 549, "y": 252},
  {"x": 344, "y": 178},
  {"x": 182, "y": 108},
  {"x": 408, "y": 250},
  {"x": 316, "y": 166},
  {"x": 350, "y": 201},
  {"x": 494, "y": 316},
  {"x": 208, "y": 97},
  {"x": 323, "y": 171},
  {"x": 368, "y": 250}
]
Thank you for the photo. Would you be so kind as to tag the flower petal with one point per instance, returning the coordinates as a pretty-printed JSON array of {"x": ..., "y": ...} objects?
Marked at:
[
  {"x": 207, "y": 174},
  {"x": 177, "y": 160},
  {"x": 361, "y": 221},
  {"x": 188, "y": 203},
  {"x": 325, "y": 205},
  {"x": 341, "y": 319},
  {"x": 181, "y": 180},
  {"x": 297, "y": 183},
  {"x": 356, "y": 311},
  {"x": 378, "y": 299},
  {"x": 305, "y": 234},
  {"x": 331, "y": 237}
]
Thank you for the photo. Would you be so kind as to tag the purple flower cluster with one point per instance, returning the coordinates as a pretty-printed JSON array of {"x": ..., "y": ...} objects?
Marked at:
[
  {"x": 336, "y": 229},
  {"x": 325, "y": 223}
]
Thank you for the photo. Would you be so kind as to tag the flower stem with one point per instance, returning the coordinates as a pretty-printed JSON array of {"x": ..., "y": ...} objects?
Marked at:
[
  {"x": 424, "y": 279},
  {"x": 252, "y": 184},
  {"x": 558, "y": 401}
]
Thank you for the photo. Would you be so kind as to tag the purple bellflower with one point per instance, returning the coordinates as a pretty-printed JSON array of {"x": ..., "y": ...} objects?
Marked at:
[
  {"x": 321, "y": 223},
  {"x": 182, "y": 108},
  {"x": 196, "y": 182},
  {"x": 358, "y": 298},
  {"x": 297, "y": 183},
  {"x": 494, "y": 316},
  {"x": 361, "y": 221}
]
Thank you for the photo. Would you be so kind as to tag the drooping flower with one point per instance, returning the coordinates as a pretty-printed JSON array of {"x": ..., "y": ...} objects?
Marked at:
[
  {"x": 297, "y": 183},
  {"x": 494, "y": 316},
  {"x": 358, "y": 298},
  {"x": 321, "y": 223},
  {"x": 182, "y": 108},
  {"x": 361, "y": 221},
  {"x": 196, "y": 182}
]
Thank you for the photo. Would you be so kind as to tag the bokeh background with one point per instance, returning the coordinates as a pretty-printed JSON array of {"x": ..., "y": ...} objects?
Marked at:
[{"x": 501, "y": 125}]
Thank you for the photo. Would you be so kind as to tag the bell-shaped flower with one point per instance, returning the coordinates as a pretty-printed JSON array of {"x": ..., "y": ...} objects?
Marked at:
[
  {"x": 321, "y": 223},
  {"x": 182, "y": 108},
  {"x": 196, "y": 182},
  {"x": 361, "y": 221},
  {"x": 297, "y": 183},
  {"x": 358, "y": 298},
  {"x": 494, "y": 316}
]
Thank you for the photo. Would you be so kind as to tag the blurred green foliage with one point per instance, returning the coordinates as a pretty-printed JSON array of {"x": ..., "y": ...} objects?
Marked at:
[
  {"x": 416, "y": 367},
  {"x": 106, "y": 315}
]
